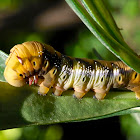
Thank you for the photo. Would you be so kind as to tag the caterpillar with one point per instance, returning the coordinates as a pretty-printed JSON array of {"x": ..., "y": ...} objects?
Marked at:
[{"x": 40, "y": 64}]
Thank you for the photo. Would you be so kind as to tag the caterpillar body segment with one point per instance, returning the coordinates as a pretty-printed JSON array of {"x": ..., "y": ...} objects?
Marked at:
[{"x": 39, "y": 64}]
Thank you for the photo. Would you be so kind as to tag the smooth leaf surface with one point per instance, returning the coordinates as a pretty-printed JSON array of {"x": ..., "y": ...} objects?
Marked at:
[
  {"x": 127, "y": 56},
  {"x": 23, "y": 106}
]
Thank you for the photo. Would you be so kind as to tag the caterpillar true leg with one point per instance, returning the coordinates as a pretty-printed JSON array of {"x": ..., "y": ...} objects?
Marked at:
[
  {"x": 49, "y": 78},
  {"x": 48, "y": 82},
  {"x": 43, "y": 90}
]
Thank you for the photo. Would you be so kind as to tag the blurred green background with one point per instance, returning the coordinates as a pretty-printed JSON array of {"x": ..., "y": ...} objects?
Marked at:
[{"x": 54, "y": 23}]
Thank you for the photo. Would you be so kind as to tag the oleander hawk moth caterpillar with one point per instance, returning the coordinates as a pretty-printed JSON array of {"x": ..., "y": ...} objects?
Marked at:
[{"x": 40, "y": 64}]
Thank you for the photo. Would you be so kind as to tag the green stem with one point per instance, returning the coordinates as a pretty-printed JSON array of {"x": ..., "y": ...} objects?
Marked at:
[{"x": 99, "y": 12}]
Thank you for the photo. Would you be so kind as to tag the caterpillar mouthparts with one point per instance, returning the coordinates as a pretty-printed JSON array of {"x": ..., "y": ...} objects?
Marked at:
[
  {"x": 33, "y": 80},
  {"x": 39, "y": 64}
]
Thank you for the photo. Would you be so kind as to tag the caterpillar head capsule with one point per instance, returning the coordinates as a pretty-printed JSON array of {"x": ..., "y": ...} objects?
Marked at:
[
  {"x": 23, "y": 63},
  {"x": 13, "y": 78}
]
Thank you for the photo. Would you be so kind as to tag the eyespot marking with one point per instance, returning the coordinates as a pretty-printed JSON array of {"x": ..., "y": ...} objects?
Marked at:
[
  {"x": 20, "y": 75},
  {"x": 136, "y": 75},
  {"x": 46, "y": 64},
  {"x": 84, "y": 79},
  {"x": 34, "y": 63},
  {"x": 64, "y": 77},
  {"x": 102, "y": 79},
  {"x": 54, "y": 72},
  {"x": 120, "y": 78}
]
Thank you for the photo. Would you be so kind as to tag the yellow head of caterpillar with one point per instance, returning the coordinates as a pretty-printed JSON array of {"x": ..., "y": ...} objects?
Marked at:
[
  {"x": 13, "y": 78},
  {"x": 23, "y": 61}
]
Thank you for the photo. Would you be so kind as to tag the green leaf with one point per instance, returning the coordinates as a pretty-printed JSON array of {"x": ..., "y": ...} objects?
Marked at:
[
  {"x": 23, "y": 106},
  {"x": 3, "y": 57},
  {"x": 127, "y": 56}
]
